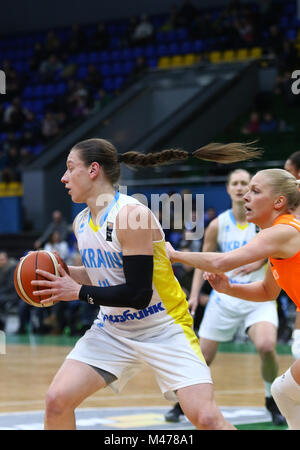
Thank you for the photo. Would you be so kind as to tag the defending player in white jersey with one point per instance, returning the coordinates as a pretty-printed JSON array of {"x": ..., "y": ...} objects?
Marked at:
[{"x": 144, "y": 314}]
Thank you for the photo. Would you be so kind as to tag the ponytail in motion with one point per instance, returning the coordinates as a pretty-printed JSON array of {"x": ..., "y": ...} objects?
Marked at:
[
  {"x": 215, "y": 152},
  {"x": 105, "y": 153}
]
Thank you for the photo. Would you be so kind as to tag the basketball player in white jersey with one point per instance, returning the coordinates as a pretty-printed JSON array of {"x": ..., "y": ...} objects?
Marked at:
[
  {"x": 223, "y": 314},
  {"x": 144, "y": 315}
]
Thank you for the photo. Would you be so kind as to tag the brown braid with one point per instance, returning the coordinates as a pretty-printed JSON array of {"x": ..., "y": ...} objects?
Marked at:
[{"x": 137, "y": 159}]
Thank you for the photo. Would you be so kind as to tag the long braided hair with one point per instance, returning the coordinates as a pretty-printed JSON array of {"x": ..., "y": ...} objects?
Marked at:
[{"x": 105, "y": 153}]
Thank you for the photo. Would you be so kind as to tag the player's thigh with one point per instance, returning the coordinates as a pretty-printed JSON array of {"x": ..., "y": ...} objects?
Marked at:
[
  {"x": 74, "y": 382},
  {"x": 209, "y": 349}
]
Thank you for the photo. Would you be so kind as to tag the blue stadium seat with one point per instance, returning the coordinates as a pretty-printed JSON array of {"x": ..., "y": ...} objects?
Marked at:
[
  {"x": 162, "y": 50},
  {"x": 82, "y": 58},
  {"x": 106, "y": 70},
  {"x": 152, "y": 62},
  {"x": 60, "y": 88},
  {"x": 126, "y": 54},
  {"x": 115, "y": 56},
  {"x": 104, "y": 56},
  {"x": 127, "y": 67},
  {"x": 291, "y": 35},
  {"x": 118, "y": 82},
  {"x": 182, "y": 34},
  {"x": 186, "y": 47},
  {"x": 150, "y": 51},
  {"x": 137, "y": 52},
  {"x": 116, "y": 68},
  {"x": 82, "y": 72},
  {"x": 50, "y": 90},
  {"x": 199, "y": 46},
  {"x": 173, "y": 48},
  {"x": 108, "y": 84}
]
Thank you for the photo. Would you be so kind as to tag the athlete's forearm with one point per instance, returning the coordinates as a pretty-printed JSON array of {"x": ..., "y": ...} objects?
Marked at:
[
  {"x": 196, "y": 283},
  {"x": 79, "y": 274},
  {"x": 209, "y": 261},
  {"x": 254, "y": 292}
]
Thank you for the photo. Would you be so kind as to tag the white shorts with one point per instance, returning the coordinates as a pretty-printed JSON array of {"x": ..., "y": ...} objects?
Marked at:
[
  {"x": 223, "y": 317},
  {"x": 174, "y": 354}
]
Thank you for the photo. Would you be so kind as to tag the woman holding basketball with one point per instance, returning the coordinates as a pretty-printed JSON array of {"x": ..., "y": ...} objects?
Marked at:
[
  {"x": 144, "y": 314},
  {"x": 272, "y": 197}
]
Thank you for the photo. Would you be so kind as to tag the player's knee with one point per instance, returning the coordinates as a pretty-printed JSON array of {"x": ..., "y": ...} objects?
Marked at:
[
  {"x": 207, "y": 419},
  {"x": 266, "y": 347},
  {"x": 56, "y": 403},
  {"x": 276, "y": 388}
]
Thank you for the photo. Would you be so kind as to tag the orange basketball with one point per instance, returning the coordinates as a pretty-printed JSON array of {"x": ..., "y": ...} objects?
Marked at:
[{"x": 25, "y": 272}]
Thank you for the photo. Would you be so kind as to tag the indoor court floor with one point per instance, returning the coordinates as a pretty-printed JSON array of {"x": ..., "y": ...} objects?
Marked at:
[{"x": 30, "y": 362}]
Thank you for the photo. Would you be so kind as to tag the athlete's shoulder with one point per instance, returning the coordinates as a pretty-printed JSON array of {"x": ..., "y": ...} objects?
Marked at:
[
  {"x": 81, "y": 216},
  {"x": 288, "y": 219}
]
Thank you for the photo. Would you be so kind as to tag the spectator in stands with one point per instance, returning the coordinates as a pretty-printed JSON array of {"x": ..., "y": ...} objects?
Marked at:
[
  {"x": 245, "y": 29},
  {"x": 253, "y": 126},
  {"x": 49, "y": 127},
  {"x": 288, "y": 59},
  {"x": 100, "y": 39},
  {"x": 139, "y": 67},
  {"x": 268, "y": 123},
  {"x": 39, "y": 55},
  {"x": 93, "y": 77},
  {"x": 209, "y": 215},
  {"x": 15, "y": 115},
  {"x": 80, "y": 107},
  {"x": 173, "y": 20},
  {"x": 143, "y": 32},
  {"x": 12, "y": 162},
  {"x": 8, "y": 296},
  {"x": 127, "y": 38},
  {"x": 49, "y": 68},
  {"x": 25, "y": 156},
  {"x": 52, "y": 43},
  {"x": 77, "y": 41},
  {"x": 186, "y": 13},
  {"x": 56, "y": 244},
  {"x": 274, "y": 40},
  {"x": 14, "y": 82},
  {"x": 2, "y": 160},
  {"x": 58, "y": 224},
  {"x": 102, "y": 98}
]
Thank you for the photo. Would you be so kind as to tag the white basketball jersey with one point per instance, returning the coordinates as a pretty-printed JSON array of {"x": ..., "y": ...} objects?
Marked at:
[
  {"x": 231, "y": 236},
  {"x": 101, "y": 254}
]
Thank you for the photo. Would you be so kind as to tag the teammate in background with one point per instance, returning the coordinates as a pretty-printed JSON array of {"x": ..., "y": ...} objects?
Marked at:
[
  {"x": 144, "y": 314},
  {"x": 272, "y": 197},
  {"x": 223, "y": 314},
  {"x": 292, "y": 165}
]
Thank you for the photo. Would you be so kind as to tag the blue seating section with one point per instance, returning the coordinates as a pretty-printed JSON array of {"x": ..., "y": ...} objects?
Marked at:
[{"x": 116, "y": 63}]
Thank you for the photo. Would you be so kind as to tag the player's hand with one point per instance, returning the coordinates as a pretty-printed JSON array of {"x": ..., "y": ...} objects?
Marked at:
[
  {"x": 193, "y": 304},
  {"x": 296, "y": 344},
  {"x": 62, "y": 288},
  {"x": 218, "y": 281},
  {"x": 170, "y": 252}
]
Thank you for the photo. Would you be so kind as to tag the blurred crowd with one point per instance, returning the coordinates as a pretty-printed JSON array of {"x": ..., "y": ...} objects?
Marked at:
[{"x": 239, "y": 25}]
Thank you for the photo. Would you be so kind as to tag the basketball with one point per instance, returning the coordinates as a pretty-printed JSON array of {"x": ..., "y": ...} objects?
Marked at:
[{"x": 25, "y": 272}]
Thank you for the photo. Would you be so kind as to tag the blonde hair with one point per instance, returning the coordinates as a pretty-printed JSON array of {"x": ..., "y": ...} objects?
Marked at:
[{"x": 284, "y": 183}]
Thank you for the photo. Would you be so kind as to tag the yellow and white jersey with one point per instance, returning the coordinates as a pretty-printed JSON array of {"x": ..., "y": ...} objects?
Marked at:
[{"x": 101, "y": 254}]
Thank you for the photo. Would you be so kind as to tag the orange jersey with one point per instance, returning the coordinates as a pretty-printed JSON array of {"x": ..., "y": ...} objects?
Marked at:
[{"x": 287, "y": 271}]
